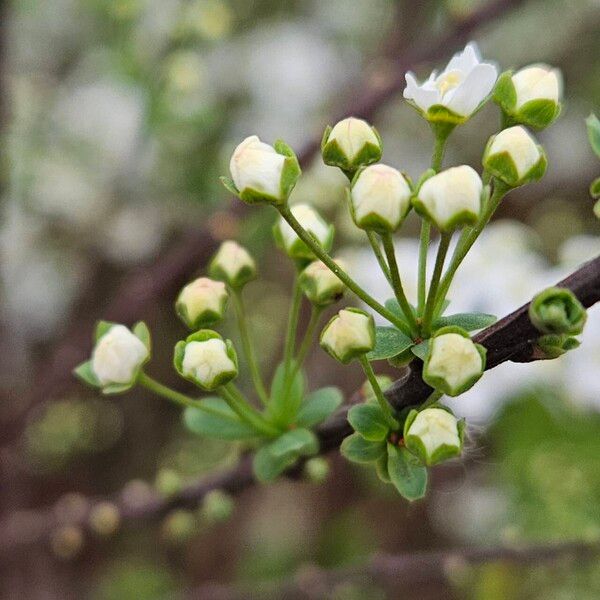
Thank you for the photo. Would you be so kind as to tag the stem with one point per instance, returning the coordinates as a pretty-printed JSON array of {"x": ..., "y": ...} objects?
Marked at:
[
  {"x": 166, "y": 392},
  {"x": 247, "y": 413},
  {"x": 309, "y": 334},
  {"x": 433, "y": 398},
  {"x": 292, "y": 326},
  {"x": 435, "y": 281},
  {"x": 340, "y": 273},
  {"x": 248, "y": 347},
  {"x": 383, "y": 403},
  {"x": 423, "y": 248},
  {"x": 437, "y": 158},
  {"x": 379, "y": 256},
  {"x": 388, "y": 246}
]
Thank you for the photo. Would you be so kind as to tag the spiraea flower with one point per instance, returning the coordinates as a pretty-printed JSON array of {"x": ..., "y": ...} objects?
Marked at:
[
  {"x": 321, "y": 286},
  {"x": 233, "y": 264},
  {"x": 530, "y": 96},
  {"x": 117, "y": 358},
  {"x": 351, "y": 143},
  {"x": 380, "y": 198},
  {"x": 451, "y": 198},
  {"x": 202, "y": 302},
  {"x": 456, "y": 93},
  {"x": 348, "y": 335},
  {"x": 433, "y": 434},
  {"x": 514, "y": 157},
  {"x": 557, "y": 311},
  {"x": 205, "y": 359},
  {"x": 454, "y": 362},
  {"x": 261, "y": 173},
  {"x": 310, "y": 220}
]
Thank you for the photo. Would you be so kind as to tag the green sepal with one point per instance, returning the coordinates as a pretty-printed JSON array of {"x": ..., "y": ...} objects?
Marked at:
[
  {"x": 334, "y": 156},
  {"x": 466, "y": 321},
  {"x": 595, "y": 188},
  {"x": 556, "y": 311},
  {"x": 285, "y": 399},
  {"x": 440, "y": 114},
  {"x": 291, "y": 169},
  {"x": 252, "y": 196},
  {"x": 318, "y": 297},
  {"x": 318, "y": 406},
  {"x": 119, "y": 388},
  {"x": 458, "y": 219},
  {"x": 593, "y": 129},
  {"x": 381, "y": 468},
  {"x": 102, "y": 328},
  {"x": 369, "y": 421},
  {"x": 229, "y": 185},
  {"x": 406, "y": 474},
  {"x": 421, "y": 350},
  {"x": 206, "y": 318},
  {"x": 423, "y": 178},
  {"x": 351, "y": 353},
  {"x": 596, "y": 209},
  {"x": 220, "y": 423},
  {"x": 299, "y": 250},
  {"x": 389, "y": 342},
  {"x": 245, "y": 275},
  {"x": 571, "y": 343},
  {"x": 86, "y": 374},
  {"x": 141, "y": 331},
  {"x": 538, "y": 113},
  {"x": 356, "y": 449},
  {"x": 505, "y": 94}
]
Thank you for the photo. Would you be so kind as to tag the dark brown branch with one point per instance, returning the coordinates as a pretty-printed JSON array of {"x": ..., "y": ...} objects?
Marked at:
[{"x": 511, "y": 338}]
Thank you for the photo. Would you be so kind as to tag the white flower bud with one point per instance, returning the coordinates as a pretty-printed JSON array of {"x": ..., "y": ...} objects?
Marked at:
[
  {"x": 434, "y": 434},
  {"x": 349, "y": 334},
  {"x": 233, "y": 264},
  {"x": 454, "y": 362},
  {"x": 118, "y": 356},
  {"x": 321, "y": 286},
  {"x": 451, "y": 198},
  {"x": 380, "y": 198},
  {"x": 351, "y": 143},
  {"x": 514, "y": 156},
  {"x": 206, "y": 359},
  {"x": 202, "y": 302},
  {"x": 310, "y": 220},
  {"x": 537, "y": 82}
]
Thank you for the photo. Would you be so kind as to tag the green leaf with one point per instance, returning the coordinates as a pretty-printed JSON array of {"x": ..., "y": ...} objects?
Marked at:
[
  {"x": 285, "y": 399},
  {"x": 356, "y": 449},
  {"x": 593, "y": 128},
  {"x": 406, "y": 474},
  {"x": 393, "y": 306},
  {"x": 381, "y": 469},
  {"x": 221, "y": 422},
  {"x": 467, "y": 321},
  {"x": 318, "y": 406},
  {"x": 369, "y": 421},
  {"x": 389, "y": 342},
  {"x": 267, "y": 467},
  {"x": 420, "y": 350},
  {"x": 298, "y": 442}
]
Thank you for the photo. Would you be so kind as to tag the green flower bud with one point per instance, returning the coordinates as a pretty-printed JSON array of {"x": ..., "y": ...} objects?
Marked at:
[
  {"x": 433, "y": 434},
  {"x": 316, "y": 469},
  {"x": 454, "y": 363},
  {"x": 321, "y": 286},
  {"x": 350, "y": 144},
  {"x": 202, "y": 302},
  {"x": 233, "y": 264},
  {"x": 217, "y": 506},
  {"x": 205, "y": 359},
  {"x": 348, "y": 335},
  {"x": 179, "y": 526},
  {"x": 514, "y": 157},
  {"x": 557, "y": 311},
  {"x": 168, "y": 482}
]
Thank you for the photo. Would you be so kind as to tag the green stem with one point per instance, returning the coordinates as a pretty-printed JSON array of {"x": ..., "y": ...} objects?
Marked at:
[
  {"x": 435, "y": 281},
  {"x": 383, "y": 403},
  {"x": 292, "y": 326},
  {"x": 388, "y": 247},
  {"x": 166, "y": 392},
  {"x": 340, "y": 273},
  {"x": 433, "y": 398},
  {"x": 441, "y": 137},
  {"x": 379, "y": 256},
  {"x": 315, "y": 315},
  {"x": 248, "y": 347},
  {"x": 465, "y": 244},
  {"x": 423, "y": 248},
  {"x": 247, "y": 413}
]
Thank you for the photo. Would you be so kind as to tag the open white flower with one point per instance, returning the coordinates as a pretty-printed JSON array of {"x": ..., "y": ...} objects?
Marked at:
[
  {"x": 350, "y": 143},
  {"x": 463, "y": 85},
  {"x": 202, "y": 302},
  {"x": 349, "y": 334},
  {"x": 451, "y": 198},
  {"x": 117, "y": 356},
  {"x": 433, "y": 434},
  {"x": 233, "y": 264},
  {"x": 207, "y": 362},
  {"x": 321, "y": 286},
  {"x": 454, "y": 362},
  {"x": 380, "y": 198},
  {"x": 310, "y": 220}
]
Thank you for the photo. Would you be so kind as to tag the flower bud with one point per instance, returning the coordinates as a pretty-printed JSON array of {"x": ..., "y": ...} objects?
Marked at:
[
  {"x": 262, "y": 173},
  {"x": 205, "y": 359},
  {"x": 530, "y": 96},
  {"x": 350, "y": 144},
  {"x": 202, "y": 302},
  {"x": 433, "y": 434},
  {"x": 514, "y": 157},
  {"x": 557, "y": 311},
  {"x": 309, "y": 218},
  {"x": 179, "y": 526},
  {"x": 233, "y": 264},
  {"x": 454, "y": 362},
  {"x": 321, "y": 286},
  {"x": 380, "y": 198},
  {"x": 217, "y": 506},
  {"x": 104, "y": 518},
  {"x": 316, "y": 469},
  {"x": 450, "y": 198},
  {"x": 349, "y": 334},
  {"x": 117, "y": 358}
]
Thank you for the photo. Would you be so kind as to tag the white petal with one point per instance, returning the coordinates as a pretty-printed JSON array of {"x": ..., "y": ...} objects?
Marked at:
[
  {"x": 467, "y": 96},
  {"x": 519, "y": 144},
  {"x": 419, "y": 94},
  {"x": 537, "y": 82},
  {"x": 466, "y": 60}
]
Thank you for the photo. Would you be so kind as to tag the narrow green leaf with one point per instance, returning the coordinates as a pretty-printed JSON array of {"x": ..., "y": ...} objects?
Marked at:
[
  {"x": 593, "y": 127},
  {"x": 467, "y": 321},
  {"x": 356, "y": 449},
  {"x": 284, "y": 405},
  {"x": 221, "y": 423},
  {"x": 318, "y": 406},
  {"x": 369, "y": 421},
  {"x": 406, "y": 474},
  {"x": 420, "y": 350},
  {"x": 393, "y": 306},
  {"x": 389, "y": 342},
  {"x": 297, "y": 442},
  {"x": 267, "y": 467}
]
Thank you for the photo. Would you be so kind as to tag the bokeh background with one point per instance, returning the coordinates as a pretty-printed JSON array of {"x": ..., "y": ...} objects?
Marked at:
[{"x": 117, "y": 118}]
